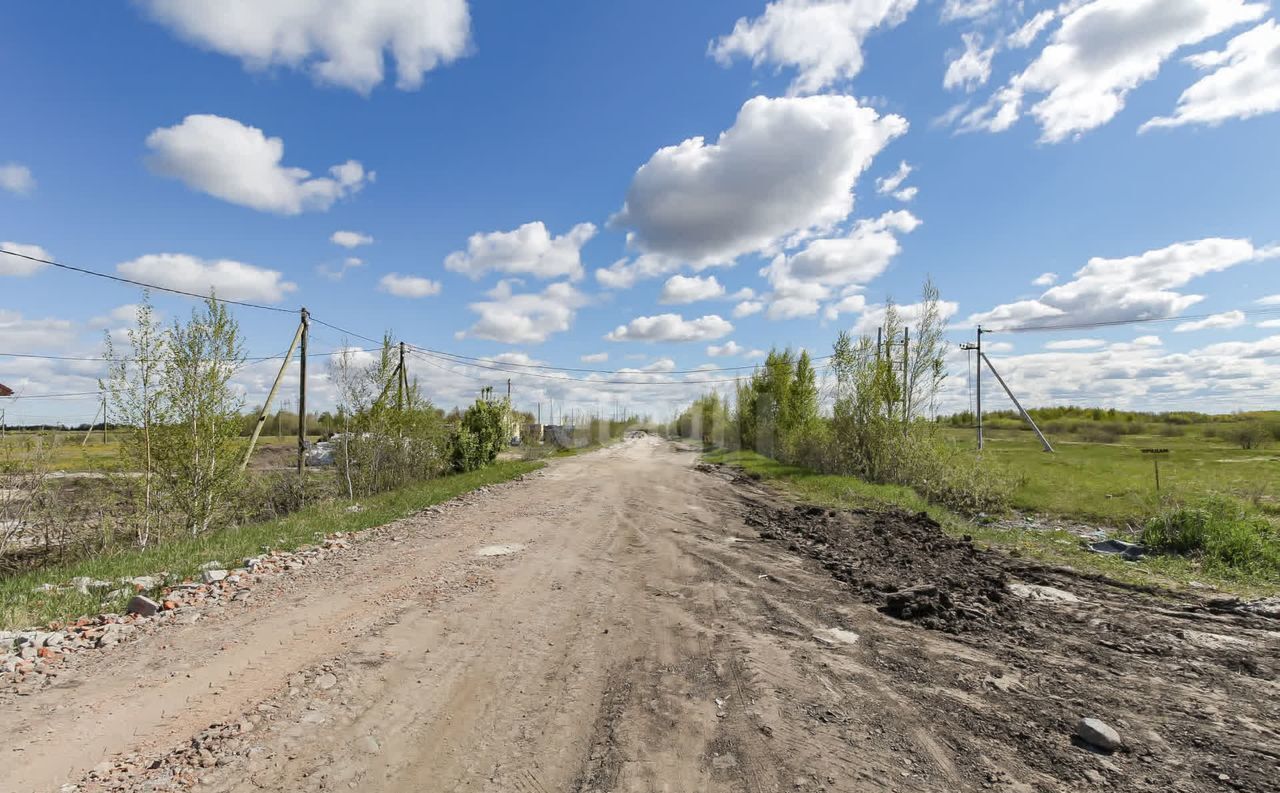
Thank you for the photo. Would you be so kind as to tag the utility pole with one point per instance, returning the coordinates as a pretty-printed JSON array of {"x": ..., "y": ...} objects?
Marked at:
[
  {"x": 266, "y": 406},
  {"x": 1025, "y": 415},
  {"x": 879, "y": 341},
  {"x": 89, "y": 431},
  {"x": 400, "y": 381},
  {"x": 978, "y": 348},
  {"x": 508, "y": 390},
  {"x": 104, "y": 419},
  {"x": 302, "y": 393}
]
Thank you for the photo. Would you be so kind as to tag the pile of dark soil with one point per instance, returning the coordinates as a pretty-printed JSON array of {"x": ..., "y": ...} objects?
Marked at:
[{"x": 902, "y": 562}]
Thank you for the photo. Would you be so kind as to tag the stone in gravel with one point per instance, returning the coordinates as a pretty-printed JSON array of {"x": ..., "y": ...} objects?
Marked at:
[
  {"x": 142, "y": 605},
  {"x": 326, "y": 681},
  {"x": 213, "y": 576},
  {"x": 1040, "y": 592},
  {"x": 54, "y": 639},
  {"x": 213, "y": 566},
  {"x": 1096, "y": 732},
  {"x": 146, "y": 582}
]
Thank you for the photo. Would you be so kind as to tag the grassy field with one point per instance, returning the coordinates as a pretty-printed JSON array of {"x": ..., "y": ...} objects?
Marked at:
[
  {"x": 1049, "y": 546},
  {"x": 67, "y": 451},
  {"x": 1114, "y": 483},
  {"x": 22, "y": 606}
]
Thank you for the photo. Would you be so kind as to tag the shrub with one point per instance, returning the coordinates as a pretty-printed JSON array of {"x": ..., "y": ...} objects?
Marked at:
[
  {"x": 1223, "y": 532},
  {"x": 1100, "y": 433},
  {"x": 944, "y": 474},
  {"x": 482, "y": 433}
]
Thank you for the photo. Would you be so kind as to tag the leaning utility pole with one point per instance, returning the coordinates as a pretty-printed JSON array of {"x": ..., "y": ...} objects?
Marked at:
[
  {"x": 302, "y": 393},
  {"x": 1025, "y": 415},
  {"x": 266, "y": 406}
]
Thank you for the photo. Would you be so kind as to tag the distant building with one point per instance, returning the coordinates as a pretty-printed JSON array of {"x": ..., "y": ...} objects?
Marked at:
[{"x": 5, "y": 390}]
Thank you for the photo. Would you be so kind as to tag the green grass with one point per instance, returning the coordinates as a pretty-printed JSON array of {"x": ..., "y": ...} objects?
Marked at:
[
  {"x": 1114, "y": 483},
  {"x": 1221, "y": 531},
  {"x": 21, "y": 606},
  {"x": 1049, "y": 547},
  {"x": 70, "y": 453}
]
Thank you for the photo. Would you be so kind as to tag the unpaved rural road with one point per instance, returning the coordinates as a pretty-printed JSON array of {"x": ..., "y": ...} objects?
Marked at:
[{"x": 628, "y": 621}]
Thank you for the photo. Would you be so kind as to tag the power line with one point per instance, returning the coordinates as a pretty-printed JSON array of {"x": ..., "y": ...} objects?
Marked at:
[
  {"x": 1130, "y": 321},
  {"x": 590, "y": 380},
  {"x": 254, "y": 359},
  {"x": 157, "y": 287},
  {"x": 593, "y": 371},
  {"x": 56, "y": 396}
]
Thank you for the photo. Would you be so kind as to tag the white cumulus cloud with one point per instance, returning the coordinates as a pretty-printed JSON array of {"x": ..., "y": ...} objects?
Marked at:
[
  {"x": 972, "y": 68},
  {"x": 339, "y": 42},
  {"x": 801, "y": 281},
  {"x": 820, "y": 39},
  {"x": 226, "y": 278},
  {"x": 239, "y": 164},
  {"x": 787, "y": 166},
  {"x": 747, "y": 307},
  {"x": 1227, "y": 319},
  {"x": 1075, "y": 344},
  {"x": 594, "y": 357},
  {"x": 408, "y": 285},
  {"x": 681, "y": 289},
  {"x": 17, "y": 265},
  {"x": 672, "y": 327},
  {"x": 1045, "y": 279},
  {"x": 727, "y": 350},
  {"x": 1132, "y": 287},
  {"x": 527, "y": 318},
  {"x": 1243, "y": 81},
  {"x": 16, "y": 178},
  {"x": 1100, "y": 52},
  {"x": 350, "y": 239},
  {"x": 531, "y": 249}
]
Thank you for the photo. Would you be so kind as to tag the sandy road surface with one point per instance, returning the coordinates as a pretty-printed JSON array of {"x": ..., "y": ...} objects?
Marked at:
[{"x": 627, "y": 622}]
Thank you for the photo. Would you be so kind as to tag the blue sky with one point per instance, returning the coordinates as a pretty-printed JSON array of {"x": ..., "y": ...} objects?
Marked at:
[{"x": 144, "y": 139}]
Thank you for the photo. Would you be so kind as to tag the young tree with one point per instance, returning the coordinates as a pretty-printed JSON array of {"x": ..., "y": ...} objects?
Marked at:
[
  {"x": 926, "y": 354},
  {"x": 198, "y": 450},
  {"x": 135, "y": 386}
]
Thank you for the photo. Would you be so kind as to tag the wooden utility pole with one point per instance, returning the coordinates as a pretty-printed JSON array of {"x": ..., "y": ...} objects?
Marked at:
[
  {"x": 400, "y": 381},
  {"x": 879, "y": 341},
  {"x": 302, "y": 393},
  {"x": 104, "y": 419},
  {"x": 266, "y": 406},
  {"x": 508, "y": 390}
]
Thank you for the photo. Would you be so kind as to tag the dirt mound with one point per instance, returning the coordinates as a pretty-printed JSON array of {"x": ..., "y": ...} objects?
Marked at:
[{"x": 900, "y": 561}]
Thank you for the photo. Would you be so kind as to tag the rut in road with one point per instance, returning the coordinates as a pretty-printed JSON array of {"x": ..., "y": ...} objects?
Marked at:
[{"x": 626, "y": 622}]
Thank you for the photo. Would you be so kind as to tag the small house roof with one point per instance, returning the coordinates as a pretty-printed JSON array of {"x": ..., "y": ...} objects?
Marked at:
[{"x": 5, "y": 390}]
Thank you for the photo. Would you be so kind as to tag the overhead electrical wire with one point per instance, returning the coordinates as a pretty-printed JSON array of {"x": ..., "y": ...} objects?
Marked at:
[
  {"x": 1118, "y": 322},
  {"x": 516, "y": 368},
  {"x": 131, "y": 282},
  {"x": 567, "y": 379}
]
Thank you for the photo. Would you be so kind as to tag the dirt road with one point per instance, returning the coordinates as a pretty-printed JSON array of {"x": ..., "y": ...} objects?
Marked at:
[{"x": 626, "y": 621}]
